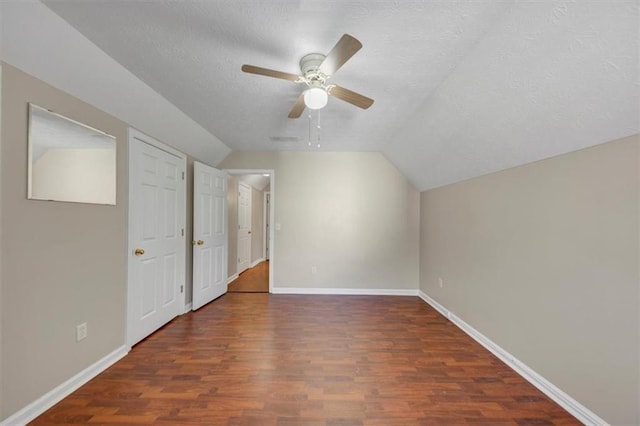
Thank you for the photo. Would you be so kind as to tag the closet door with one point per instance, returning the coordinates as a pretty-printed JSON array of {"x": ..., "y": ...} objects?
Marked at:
[{"x": 157, "y": 246}]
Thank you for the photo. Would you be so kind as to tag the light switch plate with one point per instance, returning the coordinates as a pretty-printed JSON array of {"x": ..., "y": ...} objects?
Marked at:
[{"x": 81, "y": 331}]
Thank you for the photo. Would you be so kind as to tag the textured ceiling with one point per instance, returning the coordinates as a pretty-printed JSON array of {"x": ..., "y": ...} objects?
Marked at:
[
  {"x": 52, "y": 131},
  {"x": 259, "y": 182},
  {"x": 461, "y": 88},
  {"x": 42, "y": 44}
]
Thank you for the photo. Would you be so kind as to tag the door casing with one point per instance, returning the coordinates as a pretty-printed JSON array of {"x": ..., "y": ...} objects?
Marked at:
[
  {"x": 266, "y": 214},
  {"x": 272, "y": 191}
]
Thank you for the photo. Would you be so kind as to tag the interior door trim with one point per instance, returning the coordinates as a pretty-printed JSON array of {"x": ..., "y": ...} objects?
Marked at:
[
  {"x": 272, "y": 238},
  {"x": 265, "y": 237}
]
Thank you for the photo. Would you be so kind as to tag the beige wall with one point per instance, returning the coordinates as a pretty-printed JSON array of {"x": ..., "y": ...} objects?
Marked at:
[
  {"x": 257, "y": 231},
  {"x": 352, "y": 215},
  {"x": 62, "y": 263},
  {"x": 232, "y": 200},
  {"x": 543, "y": 260}
]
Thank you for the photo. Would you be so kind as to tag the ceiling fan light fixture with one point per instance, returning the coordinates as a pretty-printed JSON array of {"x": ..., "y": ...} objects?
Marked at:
[
  {"x": 316, "y": 70},
  {"x": 315, "y": 98}
]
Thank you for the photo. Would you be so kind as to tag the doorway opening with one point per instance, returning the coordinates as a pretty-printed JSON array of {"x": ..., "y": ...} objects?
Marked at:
[{"x": 251, "y": 205}]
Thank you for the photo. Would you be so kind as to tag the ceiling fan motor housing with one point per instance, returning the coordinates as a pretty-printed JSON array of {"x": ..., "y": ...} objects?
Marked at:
[{"x": 310, "y": 64}]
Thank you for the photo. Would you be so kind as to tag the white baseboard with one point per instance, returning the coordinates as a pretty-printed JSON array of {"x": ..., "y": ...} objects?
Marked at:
[
  {"x": 345, "y": 291},
  {"x": 578, "y": 410},
  {"x": 232, "y": 278},
  {"x": 54, "y": 396},
  {"x": 256, "y": 262},
  {"x": 188, "y": 308}
]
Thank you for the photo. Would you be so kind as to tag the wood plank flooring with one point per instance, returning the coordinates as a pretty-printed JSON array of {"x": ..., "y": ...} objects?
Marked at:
[
  {"x": 261, "y": 359},
  {"x": 253, "y": 280}
]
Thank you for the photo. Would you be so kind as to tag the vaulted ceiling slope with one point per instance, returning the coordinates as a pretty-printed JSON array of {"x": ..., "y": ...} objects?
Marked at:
[
  {"x": 461, "y": 88},
  {"x": 40, "y": 43}
]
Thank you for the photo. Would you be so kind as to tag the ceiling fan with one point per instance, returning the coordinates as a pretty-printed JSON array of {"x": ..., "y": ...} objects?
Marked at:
[{"x": 316, "y": 70}]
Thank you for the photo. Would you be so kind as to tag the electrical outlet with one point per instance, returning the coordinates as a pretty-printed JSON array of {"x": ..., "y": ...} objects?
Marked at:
[
  {"x": 81, "y": 331},
  {"x": 314, "y": 269},
  {"x": 440, "y": 282}
]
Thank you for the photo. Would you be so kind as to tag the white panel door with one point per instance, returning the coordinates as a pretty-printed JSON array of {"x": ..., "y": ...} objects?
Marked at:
[
  {"x": 244, "y": 226},
  {"x": 209, "y": 234},
  {"x": 157, "y": 254}
]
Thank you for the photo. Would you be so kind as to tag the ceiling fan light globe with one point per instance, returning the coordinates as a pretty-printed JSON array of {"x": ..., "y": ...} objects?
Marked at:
[{"x": 315, "y": 98}]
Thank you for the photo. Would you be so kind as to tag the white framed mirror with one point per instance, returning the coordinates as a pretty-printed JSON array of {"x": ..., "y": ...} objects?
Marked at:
[{"x": 69, "y": 161}]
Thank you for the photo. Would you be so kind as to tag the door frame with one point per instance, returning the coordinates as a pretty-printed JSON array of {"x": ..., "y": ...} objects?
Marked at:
[
  {"x": 131, "y": 135},
  {"x": 249, "y": 188},
  {"x": 272, "y": 190},
  {"x": 265, "y": 241}
]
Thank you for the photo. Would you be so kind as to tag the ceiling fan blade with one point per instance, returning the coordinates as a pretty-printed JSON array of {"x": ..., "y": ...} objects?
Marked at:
[
  {"x": 346, "y": 47},
  {"x": 297, "y": 109},
  {"x": 269, "y": 73},
  {"x": 352, "y": 97}
]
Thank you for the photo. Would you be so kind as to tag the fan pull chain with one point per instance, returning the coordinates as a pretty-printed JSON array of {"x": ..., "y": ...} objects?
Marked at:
[
  {"x": 318, "y": 128},
  {"x": 318, "y": 134}
]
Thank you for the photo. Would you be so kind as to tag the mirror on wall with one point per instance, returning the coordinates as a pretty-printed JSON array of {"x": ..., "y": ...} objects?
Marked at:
[{"x": 69, "y": 161}]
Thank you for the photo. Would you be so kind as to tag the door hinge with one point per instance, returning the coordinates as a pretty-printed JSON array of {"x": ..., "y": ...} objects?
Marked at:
[
  {"x": 181, "y": 289},
  {"x": 183, "y": 232},
  {"x": 182, "y": 175}
]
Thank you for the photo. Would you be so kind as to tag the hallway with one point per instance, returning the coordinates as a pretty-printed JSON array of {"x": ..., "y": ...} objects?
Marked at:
[{"x": 254, "y": 280}]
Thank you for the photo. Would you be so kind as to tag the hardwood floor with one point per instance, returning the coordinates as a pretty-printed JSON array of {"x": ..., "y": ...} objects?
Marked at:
[
  {"x": 254, "y": 280},
  {"x": 260, "y": 359}
]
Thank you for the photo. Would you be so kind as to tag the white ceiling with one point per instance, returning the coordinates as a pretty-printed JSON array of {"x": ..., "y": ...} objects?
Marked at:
[
  {"x": 49, "y": 130},
  {"x": 461, "y": 88},
  {"x": 257, "y": 181},
  {"x": 40, "y": 43}
]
